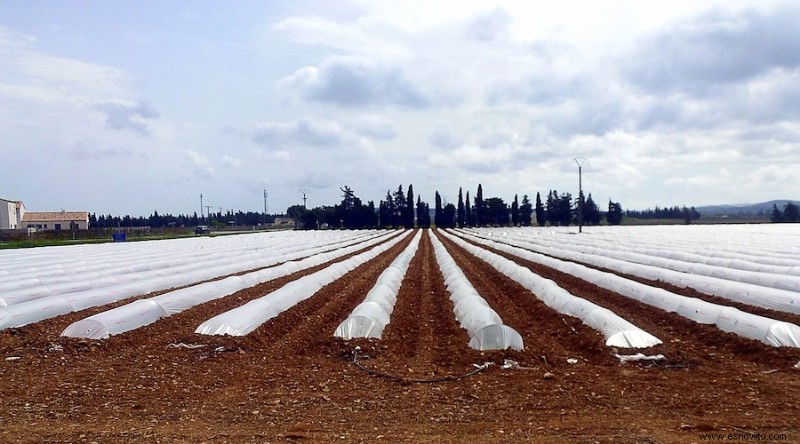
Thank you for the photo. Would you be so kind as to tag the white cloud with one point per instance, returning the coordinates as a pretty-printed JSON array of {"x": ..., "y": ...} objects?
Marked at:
[
  {"x": 374, "y": 126},
  {"x": 231, "y": 162},
  {"x": 491, "y": 26},
  {"x": 200, "y": 164},
  {"x": 717, "y": 48},
  {"x": 777, "y": 177},
  {"x": 278, "y": 156},
  {"x": 322, "y": 32},
  {"x": 475, "y": 159},
  {"x": 302, "y": 132},
  {"x": 132, "y": 117},
  {"x": 355, "y": 82},
  {"x": 719, "y": 178},
  {"x": 441, "y": 136}
]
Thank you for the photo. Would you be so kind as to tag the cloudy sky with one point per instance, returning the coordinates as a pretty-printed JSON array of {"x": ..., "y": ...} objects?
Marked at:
[{"x": 127, "y": 107}]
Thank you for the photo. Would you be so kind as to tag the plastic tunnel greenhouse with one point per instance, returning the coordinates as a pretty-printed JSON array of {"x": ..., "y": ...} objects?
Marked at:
[
  {"x": 243, "y": 320},
  {"x": 617, "y": 331},
  {"x": 144, "y": 312},
  {"x": 370, "y": 317},
  {"x": 729, "y": 319}
]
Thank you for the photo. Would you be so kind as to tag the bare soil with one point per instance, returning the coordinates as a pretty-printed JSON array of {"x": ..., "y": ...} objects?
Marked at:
[{"x": 290, "y": 380}]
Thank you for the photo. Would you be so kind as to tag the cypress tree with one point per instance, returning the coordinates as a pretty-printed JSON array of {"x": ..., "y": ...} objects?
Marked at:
[
  {"x": 408, "y": 211},
  {"x": 478, "y": 210},
  {"x": 541, "y": 218},
  {"x": 461, "y": 213},
  {"x": 437, "y": 216},
  {"x": 468, "y": 212},
  {"x": 515, "y": 211}
]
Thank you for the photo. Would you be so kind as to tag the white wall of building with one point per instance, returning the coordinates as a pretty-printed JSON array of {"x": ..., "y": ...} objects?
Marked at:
[{"x": 11, "y": 213}]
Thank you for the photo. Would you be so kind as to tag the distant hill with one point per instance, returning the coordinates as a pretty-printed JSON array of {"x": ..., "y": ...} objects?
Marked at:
[{"x": 757, "y": 209}]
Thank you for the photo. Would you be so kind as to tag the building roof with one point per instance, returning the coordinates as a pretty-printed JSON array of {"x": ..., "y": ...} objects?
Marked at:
[{"x": 48, "y": 216}]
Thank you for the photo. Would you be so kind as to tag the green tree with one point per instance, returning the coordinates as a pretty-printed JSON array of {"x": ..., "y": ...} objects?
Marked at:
[
  {"x": 308, "y": 221},
  {"x": 389, "y": 211},
  {"x": 399, "y": 199},
  {"x": 408, "y": 210},
  {"x": 495, "y": 212},
  {"x": 469, "y": 218},
  {"x": 423, "y": 214},
  {"x": 448, "y": 216},
  {"x": 515, "y": 211},
  {"x": 525, "y": 212},
  {"x": 591, "y": 213},
  {"x": 791, "y": 213},
  {"x": 437, "y": 215},
  {"x": 295, "y": 211},
  {"x": 479, "y": 209},
  {"x": 541, "y": 215},
  {"x": 614, "y": 215},
  {"x": 777, "y": 216},
  {"x": 461, "y": 214},
  {"x": 550, "y": 207},
  {"x": 558, "y": 208}
]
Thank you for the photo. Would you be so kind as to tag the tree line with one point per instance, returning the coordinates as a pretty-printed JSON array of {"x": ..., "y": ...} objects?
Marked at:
[
  {"x": 156, "y": 220},
  {"x": 676, "y": 212},
  {"x": 401, "y": 208},
  {"x": 790, "y": 213}
]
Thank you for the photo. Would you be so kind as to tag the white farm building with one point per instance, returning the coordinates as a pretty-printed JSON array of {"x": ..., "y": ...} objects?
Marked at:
[
  {"x": 13, "y": 216},
  {"x": 11, "y": 213},
  {"x": 56, "y": 220}
]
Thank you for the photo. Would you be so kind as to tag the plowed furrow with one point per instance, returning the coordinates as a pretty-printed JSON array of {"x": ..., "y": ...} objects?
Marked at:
[
  {"x": 423, "y": 333},
  {"x": 549, "y": 336},
  {"x": 686, "y": 342}
]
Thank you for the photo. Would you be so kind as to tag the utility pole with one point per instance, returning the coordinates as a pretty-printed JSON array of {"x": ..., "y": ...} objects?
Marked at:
[
  {"x": 579, "y": 161},
  {"x": 305, "y": 192},
  {"x": 208, "y": 212},
  {"x": 265, "y": 205},
  {"x": 201, "y": 208}
]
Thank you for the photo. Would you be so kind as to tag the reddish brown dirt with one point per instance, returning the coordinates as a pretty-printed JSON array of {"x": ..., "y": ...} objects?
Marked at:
[{"x": 291, "y": 381}]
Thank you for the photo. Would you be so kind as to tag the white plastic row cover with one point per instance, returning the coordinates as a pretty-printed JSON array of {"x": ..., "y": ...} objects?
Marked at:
[
  {"x": 723, "y": 246},
  {"x": 484, "y": 326},
  {"x": 370, "y": 317},
  {"x": 144, "y": 312},
  {"x": 617, "y": 331},
  {"x": 209, "y": 264},
  {"x": 243, "y": 320},
  {"x": 769, "y": 278},
  {"x": 729, "y": 319},
  {"x": 747, "y": 293},
  {"x": 57, "y": 262},
  {"x": 49, "y": 306},
  {"x": 759, "y": 296}
]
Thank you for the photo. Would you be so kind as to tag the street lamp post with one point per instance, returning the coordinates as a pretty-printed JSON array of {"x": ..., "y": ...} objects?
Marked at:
[{"x": 579, "y": 161}]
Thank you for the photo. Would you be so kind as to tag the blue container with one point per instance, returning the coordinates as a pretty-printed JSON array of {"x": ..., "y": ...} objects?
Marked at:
[{"x": 119, "y": 237}]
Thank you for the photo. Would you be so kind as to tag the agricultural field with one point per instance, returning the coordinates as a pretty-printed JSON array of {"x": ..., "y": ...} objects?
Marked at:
[{"x": 620, "y": 334}]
